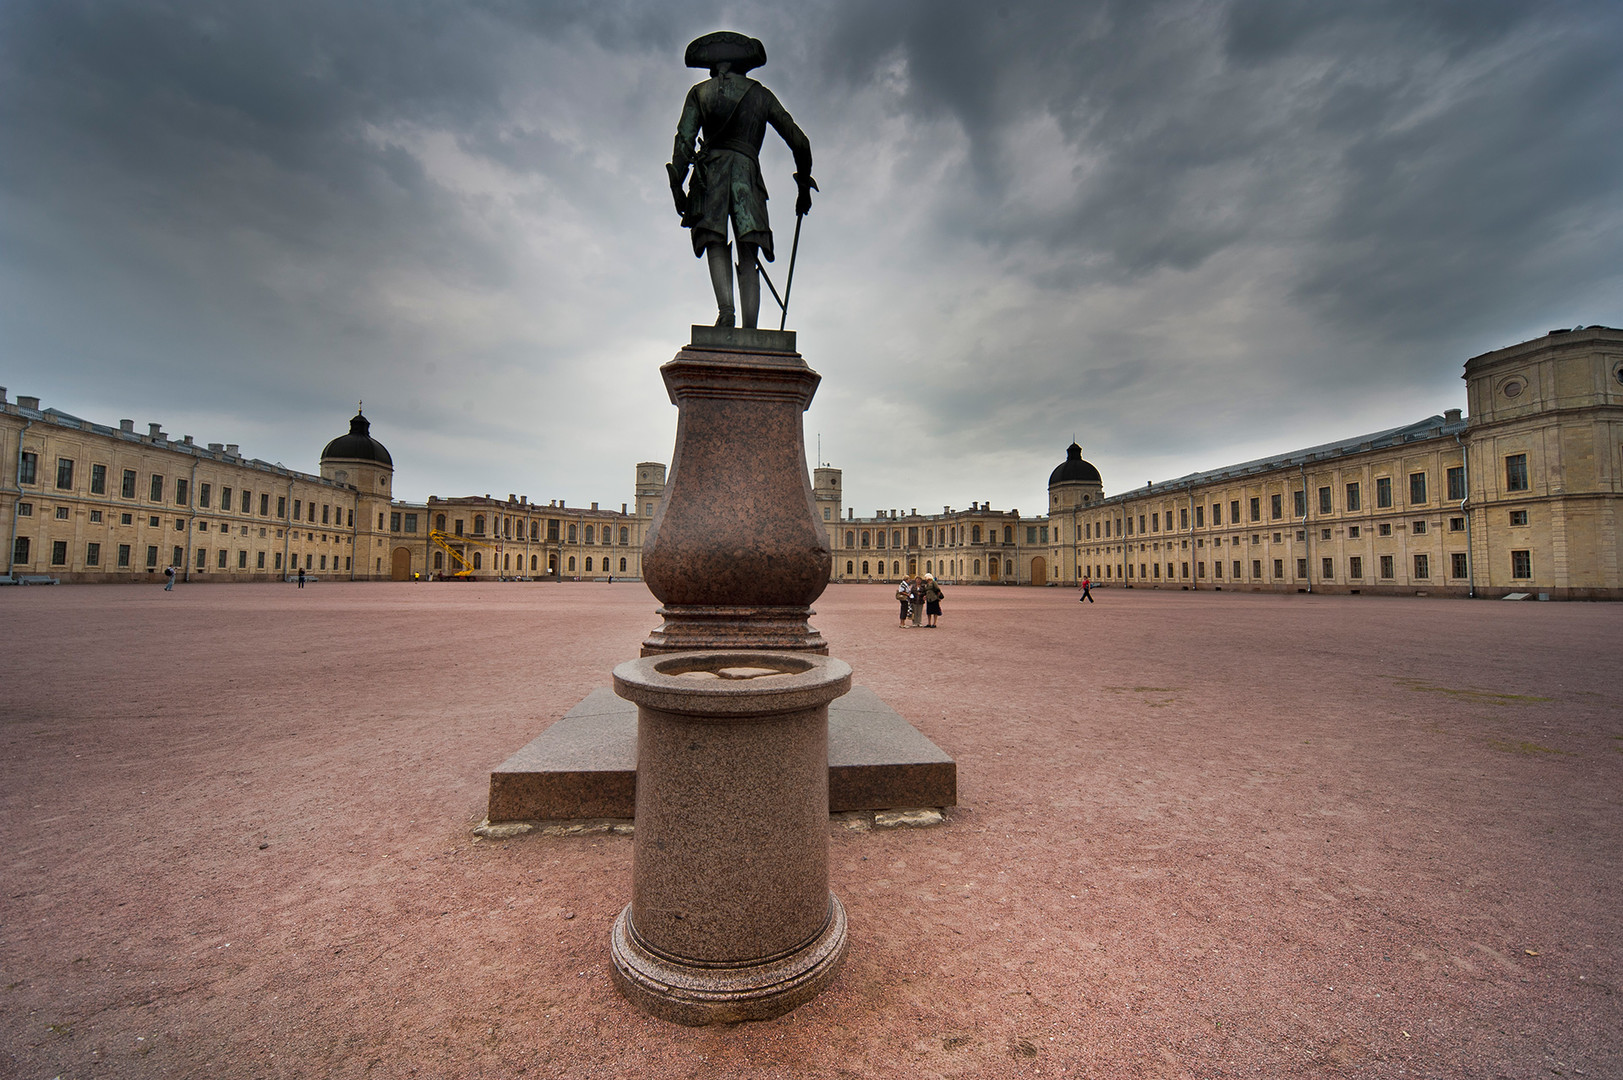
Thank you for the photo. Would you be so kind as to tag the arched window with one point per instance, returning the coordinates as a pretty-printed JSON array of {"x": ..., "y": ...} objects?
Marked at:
[
  {"x": 588, "y": 563},
  {"x": 1008, "y": 567},
  {"x": 896, "y": 538},
  {"x": 927, "y": 569},
  {"x": 848, "y": 568},
  {"x": 1008, "y": 534},
  {"x": 977, "y": 566},
  {"x": 507, "y": 562},
  {"x": 625, "y": 536},
  {"x": 622, "y": 566},
  {"x": 552, "y": 564},
  {"x": 850, "y": 539},
  {"x": 439, "y": 560},
  {"x": 507, "y": 528},
  {"x": 865, "y": 541},
  {"x": 588, "y": 537},
  {"x": 571, "y": 564},
  {"x": 478, "y": 524},
  {"x": 532, "y": 563},
  {"x": 478, "y": 562},
  {"x": 975, "y": 537},
  {"x": 864, "y": 567},
  {"x": 535, "y": 531},
  {"x": 572, "y": 535},
  {"x": 439, "y": 522}
]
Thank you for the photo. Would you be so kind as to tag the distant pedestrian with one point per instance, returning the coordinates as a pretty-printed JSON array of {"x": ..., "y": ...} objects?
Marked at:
[
  {"x": 904, "y": 595},
  {"x": 932, "y": 600},
  {"x": 915, "y": 586},
  {"x": 1087, "y": 590},
  {"x": 169, "y": 579},
  {"x": 301, "y": 577}
]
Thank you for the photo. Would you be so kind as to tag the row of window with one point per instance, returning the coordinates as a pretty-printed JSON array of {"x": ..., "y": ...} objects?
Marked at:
[
  {"x": 407, "y": 522},
  {"x": 944, "y": 536},
  {"x": 552, "y": 565},
  {"x": 231, "y": 500},
  {"x": 1516, "y": 479},
  {"x": 949, "y": 567},
  {"x": 1521, "y": 567},
  {"x": 22, "y": 552}
]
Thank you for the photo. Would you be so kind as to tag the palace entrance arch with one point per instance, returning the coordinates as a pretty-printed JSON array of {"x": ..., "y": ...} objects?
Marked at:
[
  {"x": 1039, "y": 570},
  {"x": 400, "y": 565}
]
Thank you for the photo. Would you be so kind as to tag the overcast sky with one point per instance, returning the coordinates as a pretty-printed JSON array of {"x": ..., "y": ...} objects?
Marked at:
[{"x": 1187, "y": 234}]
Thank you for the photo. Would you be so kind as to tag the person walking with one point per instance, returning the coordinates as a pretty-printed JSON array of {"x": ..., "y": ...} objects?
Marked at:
[
  {"x": 1087, "y": 590},
  {"x": 915, "y": 586},
  {"x": 169, "y": 579},
  {"x": 301, "y": 577},
  {"x": 932, "y": 601}
]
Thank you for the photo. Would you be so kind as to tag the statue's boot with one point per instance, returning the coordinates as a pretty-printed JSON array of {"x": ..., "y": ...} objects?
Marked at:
[
  {"x": 720, "y": 257},
  {"x": 749, "y": 290}
]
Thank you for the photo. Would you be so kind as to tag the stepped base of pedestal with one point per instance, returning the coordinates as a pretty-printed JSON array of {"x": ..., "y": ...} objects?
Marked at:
[
  {"x": 585, "y": 765},
  {"x": 697, "y": 994}
]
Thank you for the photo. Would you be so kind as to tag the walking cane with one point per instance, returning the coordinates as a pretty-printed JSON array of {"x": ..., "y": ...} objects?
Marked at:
[{"x": 789, "y": 283}]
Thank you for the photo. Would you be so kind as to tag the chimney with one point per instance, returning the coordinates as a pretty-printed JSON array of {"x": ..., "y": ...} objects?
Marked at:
[
  {"x": 127, "y": 426},
  {"x": 28, "y": 402},
  {"x": 622, "y": 509},
  {"x": 974, "y": 506},
  {"x": 232, "y": 449},
  {"x": 154, "y": 431},
  {"x": 2, "y": 395},
  {"x": 594, "y": 506},
  {"x": 946, "y": 509},
  {"x": 187, "y": 439},
  {"x": 1451, "y": 416},
  {"x": 215, "y": 447},
  {"x": 511, "y": 497}
]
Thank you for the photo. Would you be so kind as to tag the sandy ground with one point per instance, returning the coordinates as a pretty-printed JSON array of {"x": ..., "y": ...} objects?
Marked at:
[{"x": 1201, "y": 835}]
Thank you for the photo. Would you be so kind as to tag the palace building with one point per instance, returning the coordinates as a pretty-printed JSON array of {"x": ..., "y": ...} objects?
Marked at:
[{"x": 1523, "y": 495}]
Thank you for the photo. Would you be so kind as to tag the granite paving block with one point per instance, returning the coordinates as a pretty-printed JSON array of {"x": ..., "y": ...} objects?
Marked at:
[{"x": 585, "y": 765}]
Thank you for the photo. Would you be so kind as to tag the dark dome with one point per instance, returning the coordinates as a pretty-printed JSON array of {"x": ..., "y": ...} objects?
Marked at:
[
  {"x": 358, "y": 445},
  {"x": 1074, "y": 470}
]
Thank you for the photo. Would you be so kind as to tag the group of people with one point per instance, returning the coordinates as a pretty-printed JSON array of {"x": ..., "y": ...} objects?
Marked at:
[{"x": 919, "y": 596}]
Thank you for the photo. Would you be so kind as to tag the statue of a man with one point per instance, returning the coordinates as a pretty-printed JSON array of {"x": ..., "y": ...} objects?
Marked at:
[{"x": 727, "y": 115}]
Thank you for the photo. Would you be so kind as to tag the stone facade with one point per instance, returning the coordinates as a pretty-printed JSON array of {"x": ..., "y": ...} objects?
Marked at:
[{"x": 1524, "y": 495}]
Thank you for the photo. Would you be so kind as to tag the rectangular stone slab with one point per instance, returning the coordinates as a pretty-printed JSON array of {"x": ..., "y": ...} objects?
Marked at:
[{"x": 585, "y": 765}]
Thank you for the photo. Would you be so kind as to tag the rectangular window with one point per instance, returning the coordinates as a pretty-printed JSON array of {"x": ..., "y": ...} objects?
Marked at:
[
  {"x": 1355, "y": 568},
  {"x": 411, "y": 523},
  {"x": 1419, "y": 528},
  {"x": 1183, "y": 520},
  {"x": 1521, "y": 564},
  {"x": 152, "y": 556},
  {"x": 205, "y": 493},
  {"x": 1353, "y": 532},
  {"x": 259, "y": 560},
  {"x": 1422, "y": 567},
  {"x": 1155, "y": 523},
  {"x": 1279, "y": 569},
  {"x": 552, "y": 532},
  {"x": 180, "y": 556},
  {"x": 1456, "y": 483},
  {"x": 126, "y": 519},
  {"x": 1456, "y": 524},
  {"x": 324, "y": 562},
  {"x": 248, "y": 501},
  {"x": 1353, "y": 501},
  {"x": 98, "y": 479},
  {"x": 1386, "y": 566},
  {"x": 1256, "y": 569},
  {"x": 1141, "y": 524},
  {"x": 298, "y": 509},
  {"x": 180, "y": 524},
  {"x": 59, "y": 553},
  {"x": 19, "y": 550},
  {"x": 242, "y": 560},
  {"x": 326, "y": 513},
  {"x": 124, "y": 555},
  {"x": 281, "y": 507},
  {"x": 1457, "y": 564},
  {"x": 92, "y": 554},
  {"x": 1276, "y": 508},
  {"x": 225, "y": 499},
  {"x": 1299, "y": 502},
  {"x": 1417, "y": 489},
  {"x": 1301, "y": 569},
  {"x": 1217, "y": 514},
  {"x": 182, "y": 492},
  {"x": 1324, "y": 534},
  {"x": 394, "y": 521},
  {"x": 278, "y": 560},
  {"x": 1324, "y": 500},
  {"x": 1329, "y": 569},
  {"x": 1515, "y": 473},
  {"x": 1256, "y": 509},
  {"x": 28, "y": 468},
  {"x": 1200, "y": 518},
  {"x": 202, "y": 558},
  {"x": 1042, "y": 533},
  {"x": 1384, "y": 529},
  {"x": 64, "y": 473},
  {"x": 128, "y": 488},
  {"x": 1518, "y": 517},
  {"x": 1383, "y": 492}
]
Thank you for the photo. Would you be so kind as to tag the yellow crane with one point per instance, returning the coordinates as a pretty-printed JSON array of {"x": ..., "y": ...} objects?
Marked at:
[{"x": 454, "y": 545}]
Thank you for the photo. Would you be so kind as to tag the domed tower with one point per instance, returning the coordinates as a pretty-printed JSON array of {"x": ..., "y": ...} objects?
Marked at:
[
  {"x": 359, "y": 460},
  {"x": 1073, "y": 483}
]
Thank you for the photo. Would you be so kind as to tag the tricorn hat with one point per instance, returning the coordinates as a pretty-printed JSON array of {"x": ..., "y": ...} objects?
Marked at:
[{"x": 726, "y": 47}]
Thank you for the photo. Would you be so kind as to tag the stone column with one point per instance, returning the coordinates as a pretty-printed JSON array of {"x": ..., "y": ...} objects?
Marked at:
[
  {"x": 735, "y": 552},
  {"x": 731, "y": 917}
]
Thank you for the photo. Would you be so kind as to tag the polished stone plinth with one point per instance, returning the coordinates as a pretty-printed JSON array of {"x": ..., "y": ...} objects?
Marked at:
[
  {"x": 731, "y": 917},
  {"x": 735, "y": 552},
  {"x": 585, "y": 764}
]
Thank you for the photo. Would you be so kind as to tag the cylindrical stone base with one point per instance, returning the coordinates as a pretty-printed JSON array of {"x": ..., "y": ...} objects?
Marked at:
[{"x": 731, "y": 916}]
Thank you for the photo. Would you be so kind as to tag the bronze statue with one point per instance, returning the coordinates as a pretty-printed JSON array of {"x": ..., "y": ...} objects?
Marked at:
[{"x": 727, "y": 115}]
